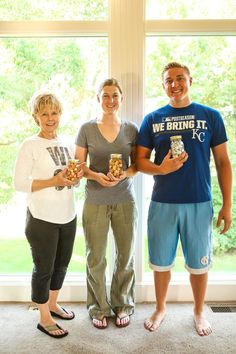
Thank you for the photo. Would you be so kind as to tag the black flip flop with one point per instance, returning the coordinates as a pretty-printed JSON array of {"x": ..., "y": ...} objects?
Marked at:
[
  {"x": 57, "y": 314},
  {"x": 47, "y": 330}
]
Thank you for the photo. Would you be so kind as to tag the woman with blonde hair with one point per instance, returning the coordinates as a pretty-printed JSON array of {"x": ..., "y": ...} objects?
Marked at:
[{"x": 41, "y": 172}]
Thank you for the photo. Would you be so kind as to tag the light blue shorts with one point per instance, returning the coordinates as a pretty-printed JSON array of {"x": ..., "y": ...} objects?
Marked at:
[{"x": 192, "y": 223}]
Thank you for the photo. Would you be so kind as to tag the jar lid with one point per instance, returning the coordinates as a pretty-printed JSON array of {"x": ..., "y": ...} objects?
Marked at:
[
  {"x": 116, "y": 156},
  {"x": 176, "y": 137},
  {"x": 73, "y": 161}
]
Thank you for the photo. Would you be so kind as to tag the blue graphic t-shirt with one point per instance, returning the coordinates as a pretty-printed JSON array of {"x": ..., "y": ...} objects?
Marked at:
[{"x": 201, "y": 128}]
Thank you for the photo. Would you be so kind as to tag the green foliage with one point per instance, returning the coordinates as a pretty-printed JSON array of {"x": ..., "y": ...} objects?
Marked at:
[
  {"x": 18, "y": 264},
  {"x": 61, "y": 64},
  {"x": 37, "y": 63},
  {"x": 7, "y": 165},
  {"x": 188, "y": 9},
  {"x": 212, "y": 64},
  {"x": 53, "y": 9},
  {"x": 227, "y": 242},
  {"x": 213, "y": 71},
  {"x": 29, "y": 65}
]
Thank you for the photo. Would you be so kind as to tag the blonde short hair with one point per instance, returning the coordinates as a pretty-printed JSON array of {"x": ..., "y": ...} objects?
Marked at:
[{"x": 40, "y": 100}]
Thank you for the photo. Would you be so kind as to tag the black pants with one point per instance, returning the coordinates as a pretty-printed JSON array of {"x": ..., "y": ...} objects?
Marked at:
[{"x": 51, "y": 246}]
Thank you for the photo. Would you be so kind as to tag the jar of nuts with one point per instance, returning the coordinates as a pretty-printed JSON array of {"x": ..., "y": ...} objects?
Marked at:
[
  {"x": 115, "y": 165},
  {"x": 177, "y": 145},
  {"x": 72, "y": 169}
]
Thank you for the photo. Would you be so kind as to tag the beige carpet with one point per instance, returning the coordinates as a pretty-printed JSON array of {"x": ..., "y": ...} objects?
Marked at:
[{"x": 18, "y": 333}]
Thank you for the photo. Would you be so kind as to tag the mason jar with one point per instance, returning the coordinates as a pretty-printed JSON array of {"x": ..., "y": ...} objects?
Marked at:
[
  {"x": 115, "y": 165},
  {"x": 72, "y": 169},
  {"x": 176, "y": 145}
]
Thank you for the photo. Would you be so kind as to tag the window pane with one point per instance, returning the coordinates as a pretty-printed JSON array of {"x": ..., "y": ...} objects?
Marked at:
[
  {"x": 190, "y": 9},
  {"x": 27, "y": 65},
  {"x": 53, "y": 10},
  {"x": 214, "y": 84}
]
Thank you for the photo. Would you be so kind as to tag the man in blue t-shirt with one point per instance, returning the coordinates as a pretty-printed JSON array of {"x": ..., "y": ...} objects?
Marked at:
[{"x": 181, "y": 203}]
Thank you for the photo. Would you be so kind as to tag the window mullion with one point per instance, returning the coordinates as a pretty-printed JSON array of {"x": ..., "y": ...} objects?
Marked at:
[{"x": 126, "y": 35}]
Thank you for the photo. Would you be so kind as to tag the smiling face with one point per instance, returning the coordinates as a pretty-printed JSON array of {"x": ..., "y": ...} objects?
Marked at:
[
  {"x": 46, "y": 109},
  {"x": 110, "y": 99},
  {"x": 48, "y": 120},
  {"x": 176, "y": 83}
]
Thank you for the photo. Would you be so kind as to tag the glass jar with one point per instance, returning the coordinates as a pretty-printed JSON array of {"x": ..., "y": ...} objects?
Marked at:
[
  {"x": 72, "y": 169},
  {"x": 115, "y": 165},
  {"x": 176, "y": 145}
]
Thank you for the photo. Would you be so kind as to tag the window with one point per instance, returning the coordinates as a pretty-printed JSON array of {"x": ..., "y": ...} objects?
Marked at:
[
  {"x": 212, "y": 64},
  {"x": 191, "y": 9},
  {"x": 108, "y": 39},
  {"x": 60, "y": 64},
  {"x": 31, "y": 10}
]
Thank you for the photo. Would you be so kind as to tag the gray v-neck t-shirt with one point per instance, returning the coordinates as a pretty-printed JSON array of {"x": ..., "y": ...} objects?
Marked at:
[{"x": 99, "y": 151}]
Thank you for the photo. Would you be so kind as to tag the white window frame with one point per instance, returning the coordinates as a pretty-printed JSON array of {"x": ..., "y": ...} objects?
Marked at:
[{"x": 126, "y": 29}]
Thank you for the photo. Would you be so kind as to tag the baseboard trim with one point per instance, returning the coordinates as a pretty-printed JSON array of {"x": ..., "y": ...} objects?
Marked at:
[{"x": 74, "y": 290}]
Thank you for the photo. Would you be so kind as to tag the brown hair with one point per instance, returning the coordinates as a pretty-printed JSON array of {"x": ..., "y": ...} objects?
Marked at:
[
  {"x": 109, "y": 82},
  {"x": 174, "y": 64}
]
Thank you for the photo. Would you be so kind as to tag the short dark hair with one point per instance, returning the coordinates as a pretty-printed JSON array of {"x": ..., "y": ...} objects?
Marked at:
[
  {"x": 174, "y": 64},
  {"x": 109, "y": 82}
]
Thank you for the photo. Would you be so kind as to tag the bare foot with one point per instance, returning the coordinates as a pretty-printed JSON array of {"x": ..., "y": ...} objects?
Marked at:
[
  {"x": 203, "y": 327},
  {"x": 154, "y": 322},
  {"x": 61, "y": 312}
]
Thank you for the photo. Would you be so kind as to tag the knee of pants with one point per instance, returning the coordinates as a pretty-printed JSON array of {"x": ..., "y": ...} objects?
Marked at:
[
  {"x": 126, "y": 262},
  {"x": 61, "y": 270},
  {"x": 44, "y": 274},
  {"x": 95, "y": 257}
]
